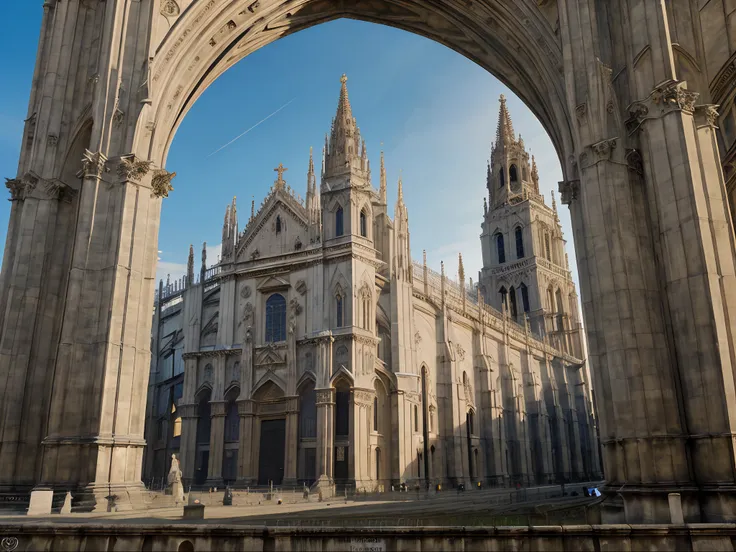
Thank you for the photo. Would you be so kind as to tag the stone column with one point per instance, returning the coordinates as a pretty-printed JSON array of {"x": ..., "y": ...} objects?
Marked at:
[
  {"x": 246, "y": 470},
  {"x": 292, "y": 435},
  {"x": 325, "y": 435},
  {"x": 694, "y": 239},
  {"x": 217, "y": 442},
  {"x": 188, "y": 442}
]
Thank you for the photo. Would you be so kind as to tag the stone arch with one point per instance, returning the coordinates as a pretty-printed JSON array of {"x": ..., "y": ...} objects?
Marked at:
[
  {"x": 269, "y": 385},
  {"x": 203, "y": 43}
]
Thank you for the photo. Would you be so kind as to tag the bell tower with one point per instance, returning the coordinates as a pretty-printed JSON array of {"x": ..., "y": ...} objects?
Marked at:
[{"x": 525, "y": 267}]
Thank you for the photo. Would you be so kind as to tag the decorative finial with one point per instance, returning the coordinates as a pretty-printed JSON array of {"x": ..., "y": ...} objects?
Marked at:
[
  {"x": 280, "y": 169},
  {"x": 344, "y": 78},
  {"x": 424, "y": 257},
  {"x": 460, "y": 268},
  {"x": 401, "y": 189},
  {"x": 554, "y": 204},
  {"x": 535, "y": 175},
  {"x": 252, "y": 207}
]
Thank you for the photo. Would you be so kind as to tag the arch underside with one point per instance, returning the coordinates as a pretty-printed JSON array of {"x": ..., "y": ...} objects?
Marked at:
[{"x": 517, "y": 46}]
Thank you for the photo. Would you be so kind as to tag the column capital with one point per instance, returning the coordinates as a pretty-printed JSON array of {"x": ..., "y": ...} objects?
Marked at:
[
  {"x": 94, "y": 165},
  {"x": 597, "y": 152},
  {"x": 187, "y": 410},
  {"x": 217, "y": 409},
  {"x": 325, "y": 396},
  {"x": 569, "y": 190},
  {"x": 706, "y": 115},
  {"x": 131, "y": 168},
  {"x": 668, "y": 96},
  {"x": 246, "y": 407},
  {"x": 21, "y": 188},
  {"x": 634, "y": 161}
]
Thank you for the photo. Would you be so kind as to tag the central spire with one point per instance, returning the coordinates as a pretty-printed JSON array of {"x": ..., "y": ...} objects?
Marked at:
[{"x": 345, "y": 150}]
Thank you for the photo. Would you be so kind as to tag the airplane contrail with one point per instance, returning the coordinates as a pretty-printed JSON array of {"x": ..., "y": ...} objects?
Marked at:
[{"x": 251, "y": 128}]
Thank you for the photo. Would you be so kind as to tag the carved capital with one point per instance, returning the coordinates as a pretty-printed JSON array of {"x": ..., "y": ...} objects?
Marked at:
[
  {"x": 363, "y": 398},
  {"x": 217, "y": 409},
  {"x": 132, "y": 168},
  {"x": 600, "y": 151},
  {"x": 246, "y": 407},
  {"x": 673, "y": 95},
  {"x": 161, "y": 183},
  {"x": 169, "y": 8},
  {"x": 94, "y": 165},
  {"x": 669, "y": 96},
  {"x": 55, "y": 189},
  {"x": 569, "y": 190},
  {"x": 706, "y": 115},
  {"x": 187, "y": 410},
  {"x": 324, "y": 396}
]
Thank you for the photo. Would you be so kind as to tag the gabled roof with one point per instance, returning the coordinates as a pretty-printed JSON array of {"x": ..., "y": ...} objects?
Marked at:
[{"x": 276, "y": 196}]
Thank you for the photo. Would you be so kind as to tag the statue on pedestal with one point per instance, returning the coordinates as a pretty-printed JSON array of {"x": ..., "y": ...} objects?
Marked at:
[{"x": 174, "y": 480}]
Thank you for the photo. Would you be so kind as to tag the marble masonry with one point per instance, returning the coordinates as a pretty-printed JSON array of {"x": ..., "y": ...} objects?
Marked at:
[
  {"x": 637, "y": 97},
  {"x": 315, "y": 349}
]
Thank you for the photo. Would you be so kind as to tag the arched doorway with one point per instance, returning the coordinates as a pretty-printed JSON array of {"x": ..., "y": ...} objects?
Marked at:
[{"x": 271, "y": 426}]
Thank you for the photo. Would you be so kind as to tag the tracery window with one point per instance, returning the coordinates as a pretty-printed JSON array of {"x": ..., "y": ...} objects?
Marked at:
[
  {"x": 519, "y": 243},
  {"x": 546, "y": 247},
  {"x": 275, "y": 318},
  {"x": 363, "y": 224},
  {"x": 278, "y": 224},
  {"x": 500, "y": 248},
  {"x": 339, "y": 222}
]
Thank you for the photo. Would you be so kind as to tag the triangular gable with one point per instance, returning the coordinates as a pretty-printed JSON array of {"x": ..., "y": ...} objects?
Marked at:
[
  {"x": 272, "y": 283},
  {"x": 277, "y": 199},
  {"x": 268, "y": 356}
]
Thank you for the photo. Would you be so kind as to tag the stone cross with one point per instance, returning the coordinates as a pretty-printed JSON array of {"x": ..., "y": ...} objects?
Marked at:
[{"x": 280, "y": 169}]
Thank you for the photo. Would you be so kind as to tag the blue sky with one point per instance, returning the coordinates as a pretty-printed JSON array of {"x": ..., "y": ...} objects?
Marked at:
[{"x": 434, "y": 111}]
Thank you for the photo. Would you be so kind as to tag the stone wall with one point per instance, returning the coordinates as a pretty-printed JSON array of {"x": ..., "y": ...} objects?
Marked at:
[{"x": 154, "y": 538}]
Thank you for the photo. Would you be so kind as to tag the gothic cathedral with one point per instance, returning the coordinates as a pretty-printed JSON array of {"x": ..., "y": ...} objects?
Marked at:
[{"x": 317, "y": 352}]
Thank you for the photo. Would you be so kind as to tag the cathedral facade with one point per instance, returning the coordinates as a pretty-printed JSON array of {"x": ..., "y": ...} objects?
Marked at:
[{"x": 317, "y": 351}]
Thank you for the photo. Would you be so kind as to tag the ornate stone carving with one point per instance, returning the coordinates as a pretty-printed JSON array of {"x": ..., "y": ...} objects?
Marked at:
[
  {"x": 674, "y": 94},
  {"x": 460, "y": 352},
  {"x": 170, "y": 8},
  {"x": 296, "y": 308},
  {"x": 324, "y": 396},
  {"x": 94, "y": 165},
  {"x": 56, "y": 189},
  {"x": 132, "y": 168},
  {"x": 161, "y": 183},
  {"x": 16, "y": 187},
  {"x": 245, "y": 292},
  {"x": 603, "y": 149},
  {"x": 581, "y": 110},
  {"x": 301, "y": 287},
  {"x": 417, "y": 339},
  {"x": 638, "y": 112},
  {"x": 634, "y": 161},
  {"x": 706, "y": 115},
  {"x": 569, "y": 191},
  {"x": 52, "y": 140}
]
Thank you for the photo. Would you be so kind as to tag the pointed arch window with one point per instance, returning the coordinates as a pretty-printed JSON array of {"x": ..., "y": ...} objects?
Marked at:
[
  {"x": 512, "y": 301},
  {"x": 278, "y": 224},
  {"x": 500, "y": 178},
  {"x": 375, "y": 413},
  {"x": 546, "y": 247},
  {"x": 513, "y": 174},
  {"x": 416, "y": 418},
  {"x": 339, "y": 221},
  {"x": 524, "y": 297},
  {"x": 503, "y": 293},
  {"x": 363, "y": 224},
  {"x": 275, "y": 318},
  {"x": 519, "y": 243},
  {"x": 500, "y": 249},
  {"x": 339, "y": 310}
]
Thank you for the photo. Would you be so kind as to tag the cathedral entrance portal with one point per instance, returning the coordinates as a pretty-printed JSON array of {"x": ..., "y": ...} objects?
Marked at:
[{"x": 271, "y": 457}]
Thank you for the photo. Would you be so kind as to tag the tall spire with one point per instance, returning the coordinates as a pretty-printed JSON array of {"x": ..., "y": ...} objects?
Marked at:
[
  {"x": 460, "y": 269},
  {"x": 226, "y": 227},
  {"x": 344, "y": 151},
  {"x": 234, "y": 218},
  {"x": 505, "y": 129},
  {"x": 401, "y": 190},
  {"x": 382, "y": 189},
  {"x": 204, "y": 260}
]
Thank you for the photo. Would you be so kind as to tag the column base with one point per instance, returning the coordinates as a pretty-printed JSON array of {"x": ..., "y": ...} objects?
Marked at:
[{"x": 119, "y": 497}]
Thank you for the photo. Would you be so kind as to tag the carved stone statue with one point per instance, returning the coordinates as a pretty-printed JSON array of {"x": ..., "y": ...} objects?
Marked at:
[{"x": 174, "y": 480}]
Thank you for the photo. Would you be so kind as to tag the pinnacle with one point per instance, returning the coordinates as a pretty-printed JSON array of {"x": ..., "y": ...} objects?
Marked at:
[{"x": 505, "y": 129}]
